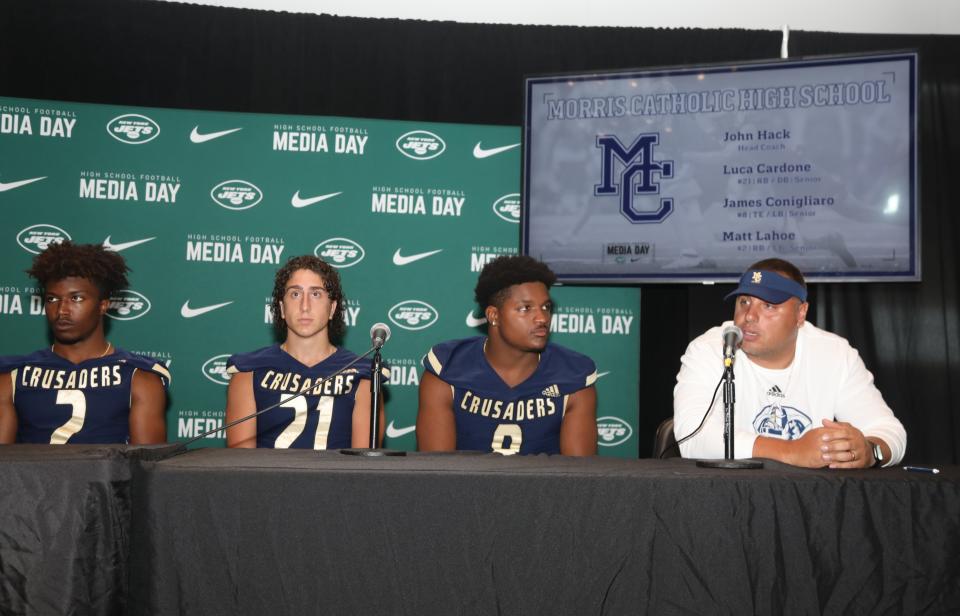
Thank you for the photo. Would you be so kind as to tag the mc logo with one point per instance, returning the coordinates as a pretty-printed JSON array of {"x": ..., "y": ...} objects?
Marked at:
[
  {"x": 413, "y": 315},
  {"x": 507, "y": 207},
  {"x": 215, "y": 369},
  {"x": 420, "y": 145},
  {"x": 133, "y": 128},
  {"x": 636, "y": 178},
  {"x": 612, "y": 431},
  {"x": 236, "y": 195},
  {"x": 340, "y": 252},
  {"x": 37, "y": 238},
  {"x": 127, "y": 305}
]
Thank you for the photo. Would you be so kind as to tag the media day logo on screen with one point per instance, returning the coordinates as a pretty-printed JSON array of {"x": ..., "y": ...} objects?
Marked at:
[
  {"x": 236, "y": 195},
  {"x": 133, "y": 128},
  {"x": 36, "y": 238},
  {"x": 215, "y": 369},
  {"x": 636, "y": 179},
  {"x": 612, "y": 431},
  {"x": 340, "y": 252},
  {"x": 413, "y": 315},
  {"x": 128, "y": 305},
  {"x": 507, "y": 207},
  {"x": 421, "y": 145}
]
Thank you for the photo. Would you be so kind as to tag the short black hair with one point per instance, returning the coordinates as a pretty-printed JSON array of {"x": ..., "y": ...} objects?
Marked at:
[
  {"x": 503, "y": 272},
  {"x": 780, "y": 266},
  {"x": 106, "y": 269},
  {"x": 331, "y": 284}
]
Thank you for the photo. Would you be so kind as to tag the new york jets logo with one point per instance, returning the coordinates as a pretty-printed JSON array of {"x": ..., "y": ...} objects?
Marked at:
[
  {"x": 236, "y": 195},
  {"x": 133, "y": 128},
  {"x": 215, "y": 369},
  {"x": 612, "y": 431},
  {"x": 127, "y": 305},
  {"x": 340, "y": 252},
  {"x": 413, "y": 315},
  {"x": 421, "y": 145},
  {"x": 507, "y": 207},
  {"x": 37, "y": 238}
]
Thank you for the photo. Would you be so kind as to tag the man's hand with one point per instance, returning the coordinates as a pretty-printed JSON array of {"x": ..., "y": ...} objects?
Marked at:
[{"x": 844, "y": 446}]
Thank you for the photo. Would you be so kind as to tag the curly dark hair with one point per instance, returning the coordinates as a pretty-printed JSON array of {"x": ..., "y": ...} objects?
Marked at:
[
  {"x": 503, "y": 272},
  {"x": 780, "y": 266},
  {"x": 104, "y": 268},
  {"x": 331, "y": 284}
]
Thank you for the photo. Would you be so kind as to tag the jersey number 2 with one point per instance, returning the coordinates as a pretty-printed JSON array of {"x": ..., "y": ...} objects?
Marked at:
[{"x": 78, "y": 402}]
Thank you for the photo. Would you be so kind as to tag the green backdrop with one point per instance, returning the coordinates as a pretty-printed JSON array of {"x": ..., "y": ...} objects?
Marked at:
[{"x": 205, "y": 205}]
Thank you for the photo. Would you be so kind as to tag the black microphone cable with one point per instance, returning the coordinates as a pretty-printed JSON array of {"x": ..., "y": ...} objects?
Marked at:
[{"x": 702, "y": 421}]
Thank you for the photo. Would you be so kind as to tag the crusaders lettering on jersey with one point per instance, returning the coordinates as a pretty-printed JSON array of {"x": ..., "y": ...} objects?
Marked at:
[
  {"x": 36, "y": 377},
  {"x": 295, "y": 383},
  {"x": 520, "y": 410}
]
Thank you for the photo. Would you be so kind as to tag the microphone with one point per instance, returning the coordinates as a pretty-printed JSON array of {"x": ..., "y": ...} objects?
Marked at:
[
  {"x": 732, "y": 337},
  {"x": 380, "y": 333}
]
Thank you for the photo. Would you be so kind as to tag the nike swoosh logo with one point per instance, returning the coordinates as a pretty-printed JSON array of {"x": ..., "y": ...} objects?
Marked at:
[
  {"x": 398, "y": 259},
  {"x": 197, "y": 137},
  {"x": 600, "y": 375},
  {"x": 480, "y": 152},
  {"x": 398, "y": 432},
  {"x": 298, "y": 201},
  {"x": 18, "y": 183},
  {"x": 473, "y": 321},
  {"x": 108, "y": 245},
  {"x": 188, "y": 313}
]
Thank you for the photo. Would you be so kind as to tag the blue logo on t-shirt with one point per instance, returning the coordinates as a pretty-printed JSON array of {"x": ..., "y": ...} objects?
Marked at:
[{"x": 783, "y": 422}]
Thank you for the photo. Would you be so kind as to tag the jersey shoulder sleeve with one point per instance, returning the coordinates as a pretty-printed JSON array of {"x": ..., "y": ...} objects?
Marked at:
[
  {"x": 267, "y": 357},
  {"x": 145, "y": 363},
  {"x": 364, "y": 367},
  {"x": 447, "y": 359},
  {"x": 570, "y": 370},
  {"x": 9, "y": 363}
]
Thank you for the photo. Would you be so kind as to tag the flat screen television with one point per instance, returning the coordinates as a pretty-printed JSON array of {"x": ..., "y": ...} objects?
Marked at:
[{"x": 692, "y": 173}]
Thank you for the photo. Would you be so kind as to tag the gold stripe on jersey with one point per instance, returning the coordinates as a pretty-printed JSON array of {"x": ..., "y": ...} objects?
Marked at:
[{"x": 434, "y": 362}]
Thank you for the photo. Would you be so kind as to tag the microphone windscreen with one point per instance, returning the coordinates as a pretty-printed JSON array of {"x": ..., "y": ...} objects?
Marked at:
[
  {"x": 380, "y": 331},
  {"x": 735, "y": 331}
]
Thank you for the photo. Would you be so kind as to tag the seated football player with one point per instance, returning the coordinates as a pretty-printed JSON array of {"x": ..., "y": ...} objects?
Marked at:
[
  {"x": 307, "y": 307},
  {"x": 83, "y": 389},
  {"x": 510, "y": 391}
]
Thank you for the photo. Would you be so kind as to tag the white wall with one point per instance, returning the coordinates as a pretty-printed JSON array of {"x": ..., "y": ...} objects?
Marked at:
[{"x": 878, "y": 16}]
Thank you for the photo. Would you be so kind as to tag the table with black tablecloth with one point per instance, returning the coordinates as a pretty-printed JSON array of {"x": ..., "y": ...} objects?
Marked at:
[
  {"x": 64, "y": 527},
  {"x": 302, "y": 532}
]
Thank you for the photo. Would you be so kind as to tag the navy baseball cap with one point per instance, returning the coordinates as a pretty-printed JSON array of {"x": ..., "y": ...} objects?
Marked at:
[{"x": 768, "y": 286}]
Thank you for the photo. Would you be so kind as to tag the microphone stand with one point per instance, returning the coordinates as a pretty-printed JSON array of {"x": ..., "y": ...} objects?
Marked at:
[
  {"x": 729, "y": 398},
  {"x": 375, "y": 403}
]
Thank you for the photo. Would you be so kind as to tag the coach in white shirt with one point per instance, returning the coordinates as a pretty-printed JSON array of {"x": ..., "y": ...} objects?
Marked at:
[{"x": 803, "y": 395}]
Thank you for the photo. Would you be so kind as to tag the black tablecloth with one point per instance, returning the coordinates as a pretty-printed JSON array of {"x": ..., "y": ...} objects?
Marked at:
[
  {"x": 293, "y": 532},
  {"x": 64, "y": 527}
]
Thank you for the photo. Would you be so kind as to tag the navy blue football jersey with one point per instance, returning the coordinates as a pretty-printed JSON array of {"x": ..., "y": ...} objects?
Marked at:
[
  {"x": 60, "y": 402},
  {"x": 490, "y": 416},
  {"x": 322, "y": 419}
]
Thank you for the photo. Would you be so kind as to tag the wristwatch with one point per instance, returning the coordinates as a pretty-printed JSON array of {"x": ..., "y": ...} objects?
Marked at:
[{"x": 877, "y": 454}]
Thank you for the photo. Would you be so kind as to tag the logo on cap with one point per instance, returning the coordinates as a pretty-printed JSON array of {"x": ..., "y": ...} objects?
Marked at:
[{"x": 757, "y": 277}]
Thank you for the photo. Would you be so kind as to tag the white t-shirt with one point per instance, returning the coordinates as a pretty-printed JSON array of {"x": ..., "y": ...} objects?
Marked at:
[{"x": 827, "y": 379}]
